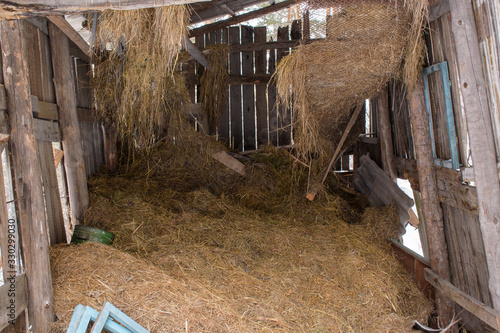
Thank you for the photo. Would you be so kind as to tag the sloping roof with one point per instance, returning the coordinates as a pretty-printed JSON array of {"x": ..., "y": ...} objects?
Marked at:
[{"x": 204, "y": 11}]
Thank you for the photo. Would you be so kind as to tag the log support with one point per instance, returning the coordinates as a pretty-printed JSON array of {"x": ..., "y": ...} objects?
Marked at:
[
  {"x": 432, "y": 213},
  {"x": 68, "y": 119},
  {"x": 27, "y": 176},
  {"x": 385, "y": 133}
]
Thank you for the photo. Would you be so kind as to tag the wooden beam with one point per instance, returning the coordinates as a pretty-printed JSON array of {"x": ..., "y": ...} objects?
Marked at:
[
  {"x": 241, "y": 18},
  {"x": 68, "y": 120},
  {"x": 27, "y": 180},
  {"x": 432, "y": 213},
  {"x": 71, "y": 33},
  {"x": 12, "y": 305},
  {"x": 46, "y": 130},
  {"x": 487, "y": 314},
  {"x": 16, "y": 9},
  {"x": 385, "y": 133},
  {"x": 316, "y": 187},
  {"x": 260, "y": 46},
  {"x": 439, "y": 9},
  {"x": 4, "y": 228},
  {"x": 230, "y": 162},
  {"x": 478, "y": 115},
  {"x": 195, "y": 53}
]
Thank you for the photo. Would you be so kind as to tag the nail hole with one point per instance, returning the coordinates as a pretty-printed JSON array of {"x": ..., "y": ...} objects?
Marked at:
[
  {"x": 465, "y": 85},
  {"x": 459, "y": 22}
]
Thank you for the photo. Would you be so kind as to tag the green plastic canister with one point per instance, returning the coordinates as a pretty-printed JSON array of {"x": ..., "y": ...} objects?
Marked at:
[{"x": 83, "y": 234}]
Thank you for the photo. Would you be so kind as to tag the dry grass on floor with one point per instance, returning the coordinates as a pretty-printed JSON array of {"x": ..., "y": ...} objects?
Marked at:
[{"x": 200, "y": 249}]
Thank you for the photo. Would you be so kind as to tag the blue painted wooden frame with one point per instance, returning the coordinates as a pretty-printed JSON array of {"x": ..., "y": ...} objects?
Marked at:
[
  {"x": 83, "y": 315},
  {"x": 450, "y": 119}
]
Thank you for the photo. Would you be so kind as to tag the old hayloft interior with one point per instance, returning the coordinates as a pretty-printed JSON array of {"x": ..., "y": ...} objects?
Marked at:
[{"x": 249, "y": 166}]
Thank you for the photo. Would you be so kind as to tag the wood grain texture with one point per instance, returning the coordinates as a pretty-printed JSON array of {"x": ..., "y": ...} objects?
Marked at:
[
  {"x": 260, "y": 89},
  {"x": 385, "y": 133},
  {"x": 235, "y": 91},
  {"x": 68, "y": 120},
  {"x": 27, "y": 179},
  {"x": 247, "y": 67}
]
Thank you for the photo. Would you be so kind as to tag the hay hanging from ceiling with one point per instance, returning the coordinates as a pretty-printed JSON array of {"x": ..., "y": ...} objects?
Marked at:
[
  {"x": 135, "y": 80},
  {"x": 364, "y": 44}
]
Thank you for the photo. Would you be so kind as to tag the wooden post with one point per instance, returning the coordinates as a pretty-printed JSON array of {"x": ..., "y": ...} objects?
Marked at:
[
  {"x": 481, "y": 136},
  {"x": 68, "y": 121},
  {"x": 28, "y": 179},
  {"x": 110, "y": 149},
  {"x": 433, "y": 215},
  {"x": 385, "y": 133}
]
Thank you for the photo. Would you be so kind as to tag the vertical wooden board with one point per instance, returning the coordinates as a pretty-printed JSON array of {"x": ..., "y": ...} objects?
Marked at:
[
  {"x": 4, "y": 225},
  {"x": 199, "y": 42},
  {"x": 260, "y": 89},
  {"x": 85, "y": 150},
  {"x": 211, "y": 38},
  {"x": 284, "y": 114},
  {"x": 223, "y": 128},
  {"x": 296, "y": 30},
  {"x": 34, "y": 60},
  {"x": 55, "y": 220},
  {"x": 235, "y": 91},
  {"x": 84, "y": 96},
  {"x": 46, "y": 69},
  {"x": 247, "y": 66},
  {"x": 1, "y": 65},
  {"x": 271, "y": 100}
]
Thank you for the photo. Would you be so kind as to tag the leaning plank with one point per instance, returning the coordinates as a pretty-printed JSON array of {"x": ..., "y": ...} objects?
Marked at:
[
  {"x": 71, "y": 33},
  {"x": 482, "y": 143},
  {"x": 195, "y": 53},
  {"x": 487, "y": 314},
  {"x": 12, "y": 304},
  {"x": 241, "y": 18},
  {"x": 230, "y": 162},
  {"x": 28, "y": 183},
  {"x": 68, "y": 120},
  {"x": 317, "y": 186},
  {"x": 439, "y": 9}
]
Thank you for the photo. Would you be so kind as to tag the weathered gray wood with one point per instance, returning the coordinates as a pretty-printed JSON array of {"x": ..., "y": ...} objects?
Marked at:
[
  {"x": 263, "y": 45},
  {"x": 481, "y": 137},
  {"x": 433, "y": 215},
  {"x": 195, "y": 53},
  {"x": 71, "y": 33},
  {"x": 284, "y": 112},
  {"x": 241, "y": 18},
  {"x": 53, "y": 205},
  {"x": 439, "y": 9},
  {"x": 480, "y": 310},
  {"x": 17, "y": 300},
  {"x": 385, "y": 133},
  {"x": 260, "y": 89},
  {"x": 26, "y": 8},
  {"x": 230, "y": 162},
  {"x": 28, "y": 182},
  {"x": 68, "y": 120},
  {"x": 235, "y": 91},
  {"x": 110, "y": 134},
  {"x": 247, "y": 67},
  {"x": 4, "y": 226},
  {"x": 46, "y": 130}
]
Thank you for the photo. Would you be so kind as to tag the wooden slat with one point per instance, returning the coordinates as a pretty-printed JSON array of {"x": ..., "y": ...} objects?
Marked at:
[
  {"x": 4, "y": 225},
  {"x": 385, "y": 133},
  {"x": 241, "y": 18},
  {"x": 271, "y": 100},
  {"x": 71, "y": 33},
  {"x": 260, "y": 46},
  {"x": 53, "y": 205},
  {"x": 260, "y": 89},
  {"x": 480, "y": 310},
  {"x": 223, "y": 128},
  {"x": 248, "y": 91},
  {"x": 46, "y": 73},
  {"x": 18, "y": 302},
  {"x": 235, "y": 91},
  {"x": 438, "y": 9},
  {"x": 27, "y": 178}
]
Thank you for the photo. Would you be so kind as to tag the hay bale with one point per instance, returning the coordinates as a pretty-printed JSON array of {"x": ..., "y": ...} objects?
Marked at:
[{"x": 364, "y": 46}]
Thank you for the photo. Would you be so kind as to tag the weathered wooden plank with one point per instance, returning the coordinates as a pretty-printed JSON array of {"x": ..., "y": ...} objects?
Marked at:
[
  {"x": 230, "y": 162},
  {"x": 432, "y": 213},
  {"x": 46, "y": 130},
  {"x": 439, "y": 9},
  {"x": 247, "y": 65},
  {"x": 71, "y": 33},
  {"x": 235, "y": 92},
  {"x": 385, "y": 133},
  {"x": 223, "y": 128},
  {"x": 28, "y": 182},
  {"x": 260, "y": 89},
  {"x": 195, "y": 52},
  {"x": 34, "y": 60},
  {"x": 53, "y": 205},
  {"x": 21, "y": 8},
  {"x": 261, "y": 46},
  {"x": 12, "y": 304},
  {"x": 68, "y": 120},
  {"x": 473, "y": 88},
  {"x": 480, "y": 310},
  {"x": 6, "y": 229},
  {"x": 241, "y": 18},
  {"x": 110, "y": 134}
]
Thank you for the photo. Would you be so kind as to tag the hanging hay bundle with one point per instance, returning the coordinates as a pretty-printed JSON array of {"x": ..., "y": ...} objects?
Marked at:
[
  {"x": 363, "y": 47},
  {"x": 136, "y": 84},
  {"x": 214, "y": 82}
]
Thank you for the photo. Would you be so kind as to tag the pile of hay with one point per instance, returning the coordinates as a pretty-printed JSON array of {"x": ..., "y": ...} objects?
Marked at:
[
  {"x": 200, "y": 248},
  {"x": 365, "y": 45},
  {"x": 135, "y": 81}
]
